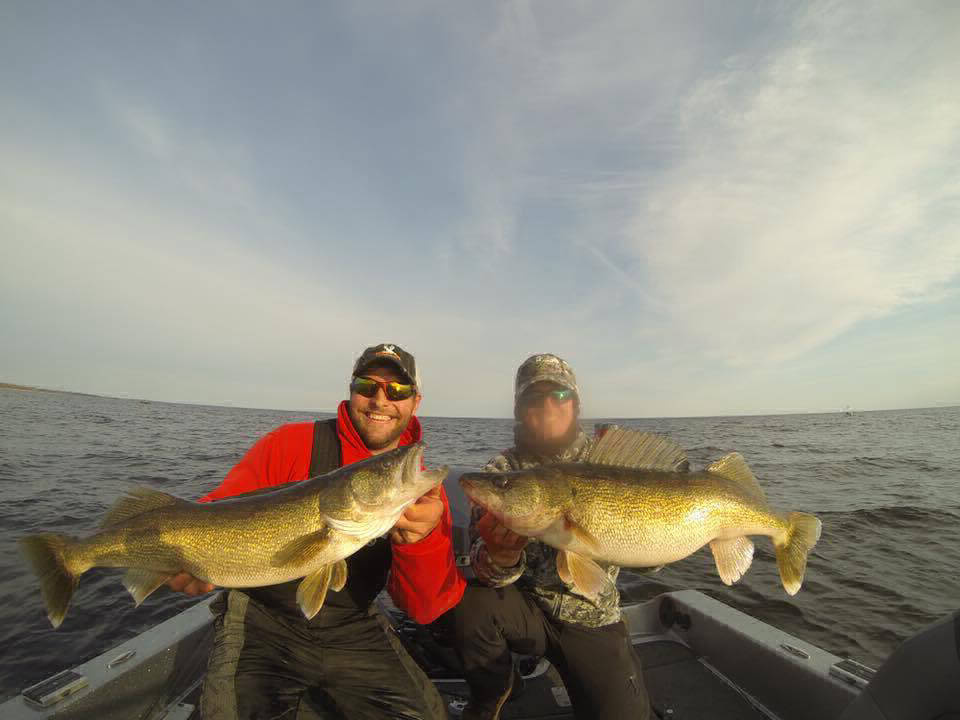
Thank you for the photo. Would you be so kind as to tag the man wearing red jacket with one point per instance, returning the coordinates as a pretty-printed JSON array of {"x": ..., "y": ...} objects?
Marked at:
[{"x": 268, "y": 660}]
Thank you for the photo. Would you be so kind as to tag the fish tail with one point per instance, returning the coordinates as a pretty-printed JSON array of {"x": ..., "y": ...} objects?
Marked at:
[
  {"x": 47, "y": 556},
  {"x": 803, "y": 531}
]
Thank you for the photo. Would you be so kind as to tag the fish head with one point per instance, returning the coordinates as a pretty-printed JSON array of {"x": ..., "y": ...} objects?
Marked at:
[
  {"x": 525, "y": 501},
  {"x": 393, "y": 479}
]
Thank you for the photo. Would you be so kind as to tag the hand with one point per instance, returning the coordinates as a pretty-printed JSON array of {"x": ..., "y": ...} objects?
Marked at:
[
  {"x": 188, "y": 585},
  {"x": 419, "y": 519},
  {"x": 503, "y": 545}
]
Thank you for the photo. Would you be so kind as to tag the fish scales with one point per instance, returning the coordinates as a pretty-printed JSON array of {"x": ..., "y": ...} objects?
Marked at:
[
  {"x": 634, "y": 515},
  {"x": 303, "y": 530},
  {"x": 228, "y": 545},
  {"x": 653, "y": 518}
]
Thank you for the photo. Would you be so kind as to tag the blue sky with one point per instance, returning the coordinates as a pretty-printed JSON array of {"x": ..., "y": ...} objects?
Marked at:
[{"x": 706, "y": 208}]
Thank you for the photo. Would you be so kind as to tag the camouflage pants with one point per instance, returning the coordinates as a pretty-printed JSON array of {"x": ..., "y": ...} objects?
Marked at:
[{"x": 601, "y": 671}]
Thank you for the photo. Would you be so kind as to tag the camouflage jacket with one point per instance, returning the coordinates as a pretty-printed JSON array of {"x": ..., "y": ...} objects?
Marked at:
[{"x": 536, "y": 573}]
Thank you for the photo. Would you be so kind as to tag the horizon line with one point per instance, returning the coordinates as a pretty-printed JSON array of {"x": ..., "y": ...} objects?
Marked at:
[{"x": 34, "y": 388}]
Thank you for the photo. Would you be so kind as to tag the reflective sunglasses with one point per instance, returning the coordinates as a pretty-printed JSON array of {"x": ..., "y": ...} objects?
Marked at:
[
  {"x": 536, "y": 399},
  {"x": 393, "y": 390}
]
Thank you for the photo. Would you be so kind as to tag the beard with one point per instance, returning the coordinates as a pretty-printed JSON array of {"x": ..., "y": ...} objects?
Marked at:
[
  {"x": 376, "y": 437},
  {"x": 553, "y": 447},
  {"x": 379, "y": 440}
]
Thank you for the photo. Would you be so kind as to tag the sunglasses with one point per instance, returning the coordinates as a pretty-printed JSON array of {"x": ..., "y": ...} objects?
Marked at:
[
  {"x": 536, "y": 399},
  {"x": 393, "y": 390}
]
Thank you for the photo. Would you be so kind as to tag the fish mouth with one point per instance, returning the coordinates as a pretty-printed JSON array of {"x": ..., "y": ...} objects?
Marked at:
[
  {"x": 412, "y": 461},
  {"x": 437, "y": 475},
  {"x": 474, "y": 491},
  {"x": 413, "y": 471}
]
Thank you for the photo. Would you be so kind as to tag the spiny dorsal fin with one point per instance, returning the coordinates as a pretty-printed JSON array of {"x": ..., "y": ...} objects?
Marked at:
[
  {"x": 639, "y": 450},
  {"x": 734, "y": 467},
  {"x": 137, "y": 501}
]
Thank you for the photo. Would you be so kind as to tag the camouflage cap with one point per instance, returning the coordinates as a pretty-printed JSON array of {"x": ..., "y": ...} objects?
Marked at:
[
  {"x": 391, "y": 354},
  {"x": 544, "y": 367}
]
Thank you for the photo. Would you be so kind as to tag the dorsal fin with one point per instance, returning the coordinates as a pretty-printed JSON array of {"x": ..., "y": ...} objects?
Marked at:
[
  {"x": 621, "y": 447},
  {"x": 734, "y": 467},
  {"x": 137, "y": 501}
]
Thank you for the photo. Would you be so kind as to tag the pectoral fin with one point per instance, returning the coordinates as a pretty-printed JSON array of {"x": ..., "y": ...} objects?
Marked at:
[
  {"x": 580, "y": 533},
  {"x": 562, "y": 570},
  {"x": 733, "y": 557},
  {"x": 304, "y": 549},
  {"x": 141, "y": 583},
  {"x": 589, "y": 579}
]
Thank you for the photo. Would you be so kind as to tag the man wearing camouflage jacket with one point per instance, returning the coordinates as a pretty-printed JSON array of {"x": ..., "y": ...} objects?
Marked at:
[{"x": 518, "y": 602}]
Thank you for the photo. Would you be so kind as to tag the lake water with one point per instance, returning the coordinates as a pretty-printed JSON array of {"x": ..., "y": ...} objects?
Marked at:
[{"x": 885, "y": 484}]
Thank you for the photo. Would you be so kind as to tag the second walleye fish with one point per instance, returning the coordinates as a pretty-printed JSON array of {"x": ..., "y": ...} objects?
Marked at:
[
  {"x": 633, "y": 503},
  {"x": 302, "y": 530}
]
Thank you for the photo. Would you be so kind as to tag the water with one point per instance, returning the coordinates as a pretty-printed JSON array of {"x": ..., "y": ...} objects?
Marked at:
[{"x": 885, "y": 484}]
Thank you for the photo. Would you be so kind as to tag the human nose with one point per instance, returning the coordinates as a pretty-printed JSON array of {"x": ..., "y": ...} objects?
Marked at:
[
  {"x": 380, "y": 396},
  {"x": 549, "y": 403}
]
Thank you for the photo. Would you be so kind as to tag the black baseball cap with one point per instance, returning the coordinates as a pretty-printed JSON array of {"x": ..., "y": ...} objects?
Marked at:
[{"x": 392, "y": 354}]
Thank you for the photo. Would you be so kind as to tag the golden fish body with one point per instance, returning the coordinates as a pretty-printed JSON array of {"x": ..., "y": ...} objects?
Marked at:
[
  {"x": 651, "y": 518},
  {"x": 302, "y": 530},
  {"x": 634, "y": 504}
]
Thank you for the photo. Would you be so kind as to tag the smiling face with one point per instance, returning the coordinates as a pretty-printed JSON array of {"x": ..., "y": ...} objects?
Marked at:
[{"x": 378, "y": 420}]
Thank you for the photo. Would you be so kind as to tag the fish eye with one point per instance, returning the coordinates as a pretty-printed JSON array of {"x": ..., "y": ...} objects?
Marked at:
[{"x": 501, "y": 482}]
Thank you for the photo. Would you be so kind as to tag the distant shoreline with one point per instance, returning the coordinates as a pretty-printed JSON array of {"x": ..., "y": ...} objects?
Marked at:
[{"x": 32, "y": 388}]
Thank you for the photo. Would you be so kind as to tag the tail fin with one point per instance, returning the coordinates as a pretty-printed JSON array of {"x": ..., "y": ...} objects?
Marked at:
[
  {"x": 802, "y": 534},
  {"x": 45, "y": 553}
]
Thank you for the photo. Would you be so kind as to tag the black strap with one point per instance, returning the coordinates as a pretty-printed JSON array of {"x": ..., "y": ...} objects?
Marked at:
[{"x": 325, "y": 455}]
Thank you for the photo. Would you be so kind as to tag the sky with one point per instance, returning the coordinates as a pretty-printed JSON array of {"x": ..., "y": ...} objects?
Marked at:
[{"x": 706, "y": 208}]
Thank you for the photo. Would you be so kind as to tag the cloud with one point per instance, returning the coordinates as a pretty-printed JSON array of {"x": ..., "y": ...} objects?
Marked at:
[
  {"x": 146, "y": 128},
  {"x": 758, "y": 193},
  {"x": 814, "y": 187},
  {"x": 689, "y": 202}
]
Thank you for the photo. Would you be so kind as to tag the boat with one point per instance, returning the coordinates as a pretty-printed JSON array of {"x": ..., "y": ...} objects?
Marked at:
[{"x": 702, "y": 660}]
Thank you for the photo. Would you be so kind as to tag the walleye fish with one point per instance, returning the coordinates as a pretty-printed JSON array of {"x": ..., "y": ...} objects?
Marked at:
[
  {"x": 302, "y": 530},
  {"x": 634, "y": 503}
]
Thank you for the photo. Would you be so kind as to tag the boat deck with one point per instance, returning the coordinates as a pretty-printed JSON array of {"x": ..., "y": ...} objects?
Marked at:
[{"x": 680, "y": 685}]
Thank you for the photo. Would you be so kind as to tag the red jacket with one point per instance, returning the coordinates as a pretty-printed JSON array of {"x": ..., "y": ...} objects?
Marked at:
[{"x": 424, "y": 580}]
